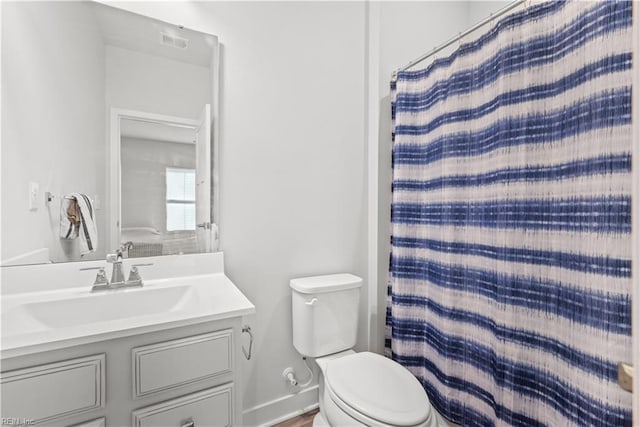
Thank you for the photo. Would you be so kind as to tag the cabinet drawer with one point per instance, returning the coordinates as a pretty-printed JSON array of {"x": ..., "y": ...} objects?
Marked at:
[
  {"x": 98, "y": 422},
  {"x": 55, "y": 390},
  {"x": 175, "y": 363},
  {"x": 211, "y": 407}
]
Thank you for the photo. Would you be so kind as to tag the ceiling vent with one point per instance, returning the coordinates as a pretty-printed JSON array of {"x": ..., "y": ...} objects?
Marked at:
[{"x": 173, "y": 41}]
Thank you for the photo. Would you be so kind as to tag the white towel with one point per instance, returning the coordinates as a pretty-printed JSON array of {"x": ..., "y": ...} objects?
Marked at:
[{"x": 77, "y": 219}]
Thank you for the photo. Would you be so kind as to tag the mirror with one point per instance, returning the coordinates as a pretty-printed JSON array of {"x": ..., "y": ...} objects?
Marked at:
[{"x": 113, "y": 108}]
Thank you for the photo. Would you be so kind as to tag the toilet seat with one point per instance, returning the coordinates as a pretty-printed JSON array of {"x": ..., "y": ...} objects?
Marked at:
[{"x": 377, "y": 391}]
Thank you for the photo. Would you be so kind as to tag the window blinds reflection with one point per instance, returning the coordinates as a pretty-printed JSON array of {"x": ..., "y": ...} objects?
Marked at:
[{"x": 181, "y": 199}]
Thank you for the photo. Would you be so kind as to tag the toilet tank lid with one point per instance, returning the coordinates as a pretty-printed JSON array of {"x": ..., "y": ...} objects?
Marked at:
[{"x": 327, "y": 283}]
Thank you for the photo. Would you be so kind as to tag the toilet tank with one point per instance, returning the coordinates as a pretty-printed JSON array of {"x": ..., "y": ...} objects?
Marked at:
[{"x": 325, "y": 313}]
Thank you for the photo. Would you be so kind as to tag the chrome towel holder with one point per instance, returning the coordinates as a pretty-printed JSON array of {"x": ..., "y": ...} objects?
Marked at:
[
  {"x": 48, "y": 197},
  {"x": 247, "y": 329}
]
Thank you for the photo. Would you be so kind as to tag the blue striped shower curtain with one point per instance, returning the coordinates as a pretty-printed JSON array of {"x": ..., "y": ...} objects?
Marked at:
[{"x": 510, "y": 270}]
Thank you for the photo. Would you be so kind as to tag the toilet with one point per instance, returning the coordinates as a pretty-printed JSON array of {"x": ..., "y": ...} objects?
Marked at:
[{"x": 355, "y": 388}]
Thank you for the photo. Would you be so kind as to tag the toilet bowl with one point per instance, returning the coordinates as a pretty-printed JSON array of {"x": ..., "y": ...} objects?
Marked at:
[
  {"x": 355, "y": 388},
  {"x": 369, "y": 389}
]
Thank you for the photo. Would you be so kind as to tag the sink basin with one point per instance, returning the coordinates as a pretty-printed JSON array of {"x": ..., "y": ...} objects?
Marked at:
[
  {"x": 43, "y": 320},
  {"x": 108, "y": 306}
]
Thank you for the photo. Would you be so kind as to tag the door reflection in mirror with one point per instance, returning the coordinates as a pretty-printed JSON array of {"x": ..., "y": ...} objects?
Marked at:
[{"x": 164, "y": 185}]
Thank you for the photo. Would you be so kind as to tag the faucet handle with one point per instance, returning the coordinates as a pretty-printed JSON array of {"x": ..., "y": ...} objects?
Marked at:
[
  {"x": 134, "y": 274},
  {"x": 101, "y": 278}
]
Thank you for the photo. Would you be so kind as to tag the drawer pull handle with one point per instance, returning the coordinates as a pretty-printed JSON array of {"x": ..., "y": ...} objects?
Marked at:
[{"x": 188, "y": 423}]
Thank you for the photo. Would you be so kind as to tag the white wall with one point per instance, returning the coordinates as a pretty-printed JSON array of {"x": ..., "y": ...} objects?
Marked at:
[
  {"x": 479, "y": 10},
  {"x": 52, "y": 120},
  {"x": 293, "y": 165}
]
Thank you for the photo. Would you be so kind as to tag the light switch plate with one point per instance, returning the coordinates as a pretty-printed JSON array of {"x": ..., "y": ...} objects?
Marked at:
[{"x": 34, "y": 194}]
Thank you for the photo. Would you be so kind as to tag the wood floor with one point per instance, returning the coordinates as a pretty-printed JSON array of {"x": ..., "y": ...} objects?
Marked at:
[{"x": 304, "y": 420}]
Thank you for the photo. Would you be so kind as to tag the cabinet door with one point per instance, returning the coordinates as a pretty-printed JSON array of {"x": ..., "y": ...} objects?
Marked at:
[
  {"x": 49, "y": 392},
  {"x": 207, "y": 408}
]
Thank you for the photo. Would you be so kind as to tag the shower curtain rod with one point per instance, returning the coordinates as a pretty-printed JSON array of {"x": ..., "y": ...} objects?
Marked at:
[{"x": 452, "y": 40}]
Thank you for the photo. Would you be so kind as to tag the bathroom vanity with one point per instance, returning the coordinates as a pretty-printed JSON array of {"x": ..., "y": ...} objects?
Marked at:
[{"x": 166, "y": 354}]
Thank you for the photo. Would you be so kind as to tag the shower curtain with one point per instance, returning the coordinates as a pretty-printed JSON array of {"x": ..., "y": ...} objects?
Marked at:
[{"x": 510, "y": 268}]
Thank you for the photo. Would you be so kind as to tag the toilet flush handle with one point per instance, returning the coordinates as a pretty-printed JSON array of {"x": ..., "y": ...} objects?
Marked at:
[{"x": 312, "y": 302}]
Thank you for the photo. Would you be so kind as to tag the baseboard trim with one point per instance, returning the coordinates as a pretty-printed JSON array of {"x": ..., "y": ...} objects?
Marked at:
[
  {"x": 282, "y": 408},
  {"x": 291, "y": 415}
]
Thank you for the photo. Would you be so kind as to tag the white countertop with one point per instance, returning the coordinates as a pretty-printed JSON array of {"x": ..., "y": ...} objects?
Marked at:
[{"x": 52, "y": 319}]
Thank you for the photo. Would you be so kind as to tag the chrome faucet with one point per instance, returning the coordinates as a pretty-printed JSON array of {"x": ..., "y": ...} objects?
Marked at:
[{"x": 117, "y": 276}]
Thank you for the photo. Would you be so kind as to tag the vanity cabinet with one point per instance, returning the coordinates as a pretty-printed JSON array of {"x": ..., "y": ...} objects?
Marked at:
[{"x": 180, "y": 377}]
